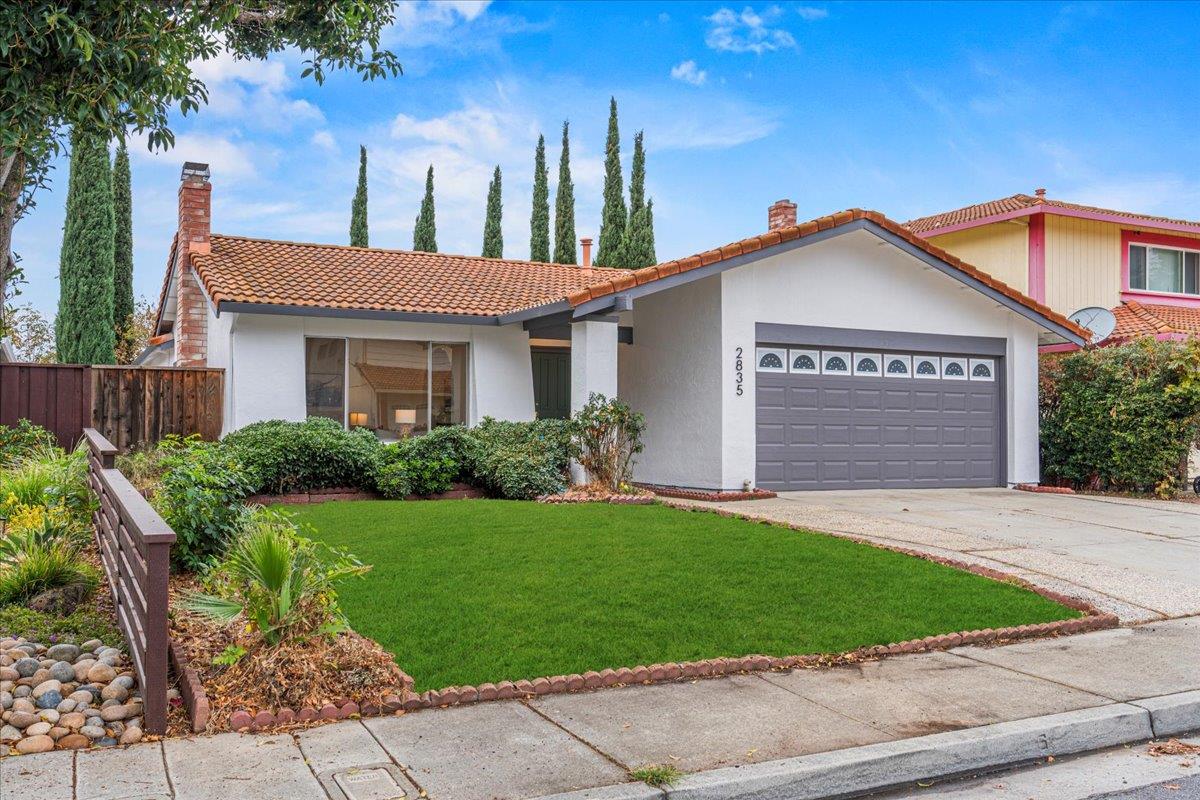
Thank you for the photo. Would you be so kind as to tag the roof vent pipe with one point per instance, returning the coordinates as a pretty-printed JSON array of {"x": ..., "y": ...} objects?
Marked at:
[{"x": 586, "y": 244}]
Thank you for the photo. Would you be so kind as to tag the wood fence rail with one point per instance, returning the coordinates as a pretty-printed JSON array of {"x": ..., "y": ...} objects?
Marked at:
[
  {"x": 129, "y": 406},
  {"x": 135, "y": 548}
]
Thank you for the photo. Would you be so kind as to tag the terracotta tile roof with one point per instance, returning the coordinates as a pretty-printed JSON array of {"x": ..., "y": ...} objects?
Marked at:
[
  {"x": 1136, "y": 319},
  {"x": 243, "y": 270},
  {"x": 1019, "y": 202},
  {"x": 648, "y": 274}
]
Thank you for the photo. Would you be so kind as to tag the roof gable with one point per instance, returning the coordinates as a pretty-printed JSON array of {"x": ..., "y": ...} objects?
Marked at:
[
  {"x": 1020, "y": 205},
  {"x": 599, "y": 296}
]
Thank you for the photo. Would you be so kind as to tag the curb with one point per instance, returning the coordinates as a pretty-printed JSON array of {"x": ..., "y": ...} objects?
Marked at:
[
  {"x": 1172, "y": 714},
  {"x": 892, "y": 764},
  {"x": 889, "y": 765}
]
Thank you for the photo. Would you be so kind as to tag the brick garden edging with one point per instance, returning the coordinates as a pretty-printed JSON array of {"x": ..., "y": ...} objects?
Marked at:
[
  {"x": 190, "y": 688},
  {"x": 707, "y": 668},
  {"x": 711, "y": 497},
  {"x": 457, "y": 491},
  {"x": 1041, "y": 489}
]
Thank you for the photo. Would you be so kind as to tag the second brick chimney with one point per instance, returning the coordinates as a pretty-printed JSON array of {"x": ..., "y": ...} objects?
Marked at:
[
  {"x": 781, "y": 214},
  {"x": 194, "y": 236}
]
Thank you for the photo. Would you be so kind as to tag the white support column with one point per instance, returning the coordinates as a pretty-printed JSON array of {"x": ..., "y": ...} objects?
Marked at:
[{"x": 593, "y": 367}]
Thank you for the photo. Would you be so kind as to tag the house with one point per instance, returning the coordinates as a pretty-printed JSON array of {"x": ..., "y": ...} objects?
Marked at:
[
  {"x": 1144, "y": 268},
  {"x": 844, "y": 352}
]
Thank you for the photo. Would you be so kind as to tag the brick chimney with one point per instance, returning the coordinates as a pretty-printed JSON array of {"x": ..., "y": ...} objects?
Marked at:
[
  {"x": 781, "y": 214},
  {"x": 194, "y": 237},
  {"x": 1041, "y": 195},
  {"x": 586, "y": 244}
]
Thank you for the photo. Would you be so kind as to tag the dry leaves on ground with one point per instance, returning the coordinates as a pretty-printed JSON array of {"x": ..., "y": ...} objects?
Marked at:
[
  {"x": 295, "y": 675},
  {"x": 1173, "y": 747}
]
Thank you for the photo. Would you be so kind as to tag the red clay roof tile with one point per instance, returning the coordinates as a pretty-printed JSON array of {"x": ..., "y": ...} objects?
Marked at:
[
  {"x": 1019, "y": 202},
  {"x": 1136, "y": 319}
]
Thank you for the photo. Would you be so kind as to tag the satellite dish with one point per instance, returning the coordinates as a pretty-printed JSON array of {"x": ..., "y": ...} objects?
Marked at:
[{"x": 1100, "y": 321}]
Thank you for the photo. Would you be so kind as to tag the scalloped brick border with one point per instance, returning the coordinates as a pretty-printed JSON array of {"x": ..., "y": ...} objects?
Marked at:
[
  {"x": 711, "y": 497},
  {"x": 1038, "y": 488},
  {"x": 190, "y": 688},
  {"x": 708, "y": 668}
]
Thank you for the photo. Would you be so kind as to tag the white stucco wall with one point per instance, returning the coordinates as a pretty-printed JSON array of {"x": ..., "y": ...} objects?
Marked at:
[
  {"x": 857, "y": 281},
  {"x": 672, "y": 374},
  {"x": 266, "y": 378}
]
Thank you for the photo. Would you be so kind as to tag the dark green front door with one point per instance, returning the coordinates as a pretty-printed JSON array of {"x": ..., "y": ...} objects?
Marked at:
[{"x": 552, "y": 383}]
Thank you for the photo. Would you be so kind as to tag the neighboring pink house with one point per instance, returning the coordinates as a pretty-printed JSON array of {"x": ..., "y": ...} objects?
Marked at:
[{"x": 1145, "y": 268}]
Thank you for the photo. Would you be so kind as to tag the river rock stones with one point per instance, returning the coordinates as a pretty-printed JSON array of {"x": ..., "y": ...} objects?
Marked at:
[{"x": 67, "y": 697}]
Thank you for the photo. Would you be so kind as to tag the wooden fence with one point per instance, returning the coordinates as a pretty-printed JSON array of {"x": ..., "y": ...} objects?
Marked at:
[
  {"x": 129, "y": 406},
  {"x": 135, "y": 547}
]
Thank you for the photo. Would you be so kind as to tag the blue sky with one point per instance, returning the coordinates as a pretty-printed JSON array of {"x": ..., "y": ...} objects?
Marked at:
[{"x": 908, "y": 109}]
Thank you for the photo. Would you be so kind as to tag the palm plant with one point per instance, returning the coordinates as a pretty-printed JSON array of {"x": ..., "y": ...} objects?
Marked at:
[{"x": 281, "y": 582}]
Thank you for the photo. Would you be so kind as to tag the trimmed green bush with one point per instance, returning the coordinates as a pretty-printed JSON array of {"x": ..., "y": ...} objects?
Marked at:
[
  {"x": 21, "y": 439},
  {"x": 428, "y": 464},
  {"x": 305, "y": 456},
  {"x": 200, "y": 496},
  {"x": 521, "y": 460},
  {"x": 1121, "y": 417}
]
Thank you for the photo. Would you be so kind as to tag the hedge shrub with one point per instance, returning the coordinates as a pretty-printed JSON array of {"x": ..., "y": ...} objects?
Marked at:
[
  {"x": 306, "y": 456},
  {"x": 426, "y": 465},
  {"x": 200, "y": 496},
  {"x": 1121, "y": 417},
  {"x": 521, "y": 460}
]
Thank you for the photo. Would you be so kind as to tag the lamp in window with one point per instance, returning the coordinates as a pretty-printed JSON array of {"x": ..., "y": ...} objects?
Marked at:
[
  {"x": 358, "y": 419},
  {"x": 406, "y": 420}
]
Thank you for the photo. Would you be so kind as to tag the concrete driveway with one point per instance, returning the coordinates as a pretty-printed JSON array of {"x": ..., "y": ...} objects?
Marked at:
[{"x": 1139, "y": 559}]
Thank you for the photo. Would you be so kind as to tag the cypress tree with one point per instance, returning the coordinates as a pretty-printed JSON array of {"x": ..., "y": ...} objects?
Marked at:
[
  {"x": 564, "y": 206},
  {"x": 493, "y": 237},
  {"x": 425, "y": 231},
  {"x": 123, "y": 255},
  {"x": 637, "y": 177},
  {"x": 539, "y": 220},
  {"x": 614, "y": 215},
  {"x": 358, "y": 208},
  {"x": 84, "y": 327},
  {"x": 638, "y": 250}
]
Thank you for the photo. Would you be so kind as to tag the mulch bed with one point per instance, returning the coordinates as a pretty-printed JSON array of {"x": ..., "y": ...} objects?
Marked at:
[{"x": 312, "y": 674}]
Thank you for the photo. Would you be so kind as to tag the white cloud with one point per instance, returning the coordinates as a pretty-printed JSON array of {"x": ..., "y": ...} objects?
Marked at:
[
  {"x": 229, "y": 160},
  {"x": 664, "y": 17},
  {"x": 747, "y": 31},
  {"x": 325, "y": 141},
  {"x": 414, "y": 14},
  {"x": 688, "y": 72},
  {"x": 812, "y": 13},
  {"x": 256, "y": 93}
]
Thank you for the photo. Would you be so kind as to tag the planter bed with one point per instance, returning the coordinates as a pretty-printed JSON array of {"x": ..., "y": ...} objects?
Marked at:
[{"x": 458, "y": 491}]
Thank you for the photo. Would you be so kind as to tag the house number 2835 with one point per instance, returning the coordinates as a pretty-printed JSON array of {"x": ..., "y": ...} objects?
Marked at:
[{"x": 738, "y": 377}]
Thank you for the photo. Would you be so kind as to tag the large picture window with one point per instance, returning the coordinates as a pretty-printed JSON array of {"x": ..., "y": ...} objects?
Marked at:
[
  {"x": 325, "y": 378},
  {"x": 394, "y": 387},
  {"x": 1164, "y": 269}
]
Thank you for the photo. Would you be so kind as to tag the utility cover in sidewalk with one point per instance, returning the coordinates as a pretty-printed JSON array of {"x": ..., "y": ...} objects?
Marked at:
[{"x": 369, "y": 784}]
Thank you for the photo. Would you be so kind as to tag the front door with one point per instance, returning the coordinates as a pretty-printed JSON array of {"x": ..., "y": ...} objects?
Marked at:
[{"x": 552, "y": 382}]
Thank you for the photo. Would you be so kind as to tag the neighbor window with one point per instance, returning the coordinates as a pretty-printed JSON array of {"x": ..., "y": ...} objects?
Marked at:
[{"x": 1164, "y": 269}]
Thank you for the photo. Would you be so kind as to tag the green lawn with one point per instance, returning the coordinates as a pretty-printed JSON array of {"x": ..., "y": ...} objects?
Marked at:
[{"x": 470, "y": 591}]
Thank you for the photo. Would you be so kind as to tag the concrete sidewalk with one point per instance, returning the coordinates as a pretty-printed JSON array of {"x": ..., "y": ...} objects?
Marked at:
[
  {"x": 591, "y": 740},
  {"x": 1138, "y": 559}
]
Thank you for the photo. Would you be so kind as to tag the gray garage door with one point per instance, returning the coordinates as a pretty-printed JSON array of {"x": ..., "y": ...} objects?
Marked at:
[{"x": 843, "y": 419}]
